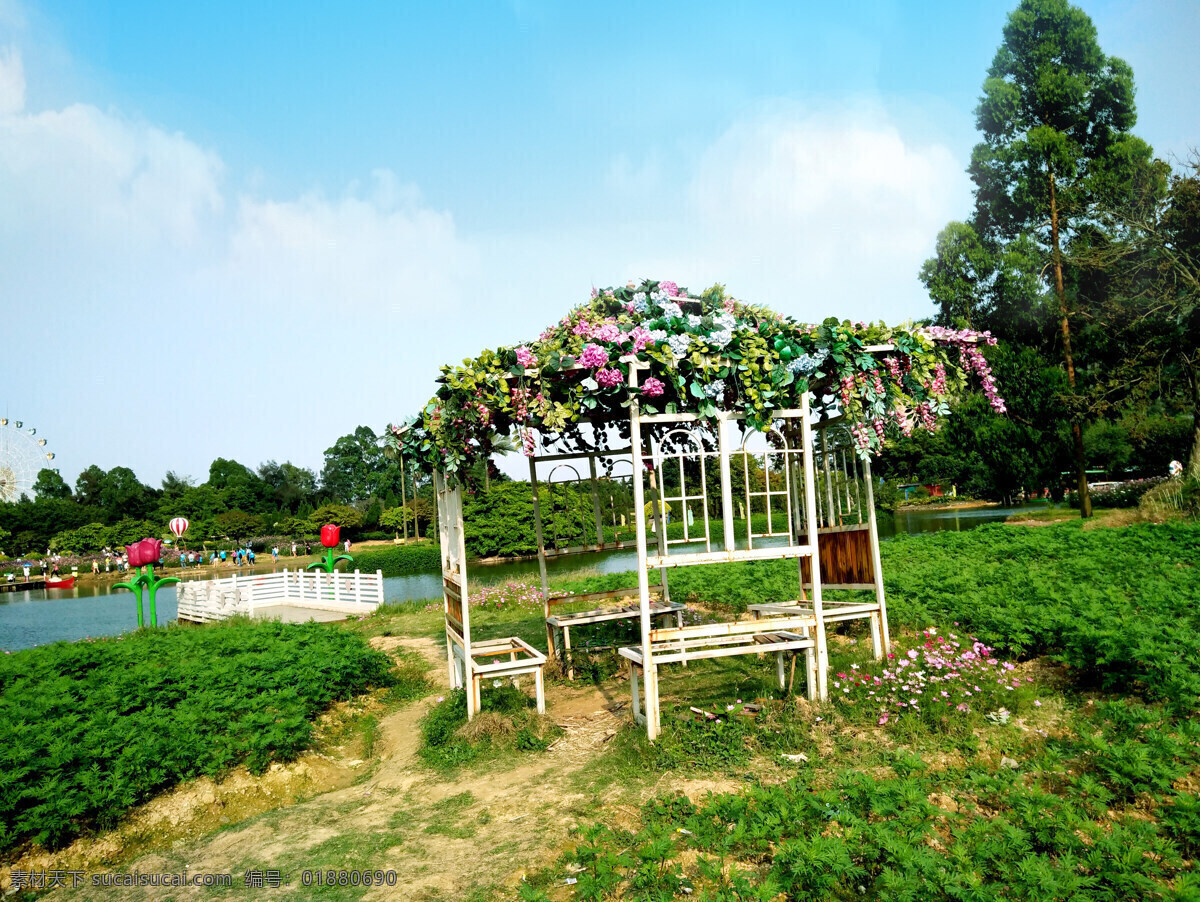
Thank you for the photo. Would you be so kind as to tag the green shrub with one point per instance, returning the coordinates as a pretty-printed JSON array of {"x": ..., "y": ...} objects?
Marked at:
[
  {"x": 1174, "y": 496},
  {"x": 399, "y": 560},
  {"x": 90, "y": 729}
]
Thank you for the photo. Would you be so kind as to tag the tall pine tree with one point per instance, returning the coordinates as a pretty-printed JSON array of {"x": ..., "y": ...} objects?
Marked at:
[{"x": 1055, "y": 116}]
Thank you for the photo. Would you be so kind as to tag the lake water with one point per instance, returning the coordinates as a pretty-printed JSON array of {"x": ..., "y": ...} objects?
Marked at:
[{"x": 36, "y": 617}]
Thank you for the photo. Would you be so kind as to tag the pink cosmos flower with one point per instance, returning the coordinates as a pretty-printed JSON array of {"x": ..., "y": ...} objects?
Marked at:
[
  {"x": 652, "y": 388},
  {"x": 593, "y": 357}
]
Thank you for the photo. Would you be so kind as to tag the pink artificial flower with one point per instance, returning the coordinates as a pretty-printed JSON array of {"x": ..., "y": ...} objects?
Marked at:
[
  {"x": 609, "y": 377},
  {"x": 608, "y": 332},
  {"x": 525, "y": 357},
  {"x": 640, "y": 336},
  {"x": 670, "y": 289},
  {"x": 652, "y": 388},
  {"x": 593, "y": 357}
]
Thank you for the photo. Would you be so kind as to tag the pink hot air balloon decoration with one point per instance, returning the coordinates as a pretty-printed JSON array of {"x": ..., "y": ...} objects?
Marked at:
[{"x": 178, "y": 526}]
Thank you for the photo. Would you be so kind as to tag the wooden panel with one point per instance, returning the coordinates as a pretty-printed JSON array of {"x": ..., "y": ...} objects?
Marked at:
[
  {"x": 454, "y": 611},
  {"x": 845, "y": 558}
]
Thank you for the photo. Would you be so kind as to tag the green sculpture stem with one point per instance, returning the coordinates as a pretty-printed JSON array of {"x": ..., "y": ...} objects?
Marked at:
[
  {"x": 146, "y": 579},
  {"x": 134, "y": 586},
  {"x": 154, "y": 585},
  {"x": 330, "y": 561}
]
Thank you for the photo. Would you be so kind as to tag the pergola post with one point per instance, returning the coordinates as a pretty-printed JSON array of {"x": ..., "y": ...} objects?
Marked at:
[
  {"x": 879, "y": 626},
  {"x": 726, "y": 487},
  {"x": 810, "y": 504},
  {"x": 596, "y": 501},
  {"x": 649, "y": 673},
  {"x": 403, "y": 496},
  {"x": 455, "y": 598},
  {"x": 541, "y": 552}
]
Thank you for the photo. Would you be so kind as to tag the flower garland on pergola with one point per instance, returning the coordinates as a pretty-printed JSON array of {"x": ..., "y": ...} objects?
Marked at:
[{"x": 702, "y": 354}]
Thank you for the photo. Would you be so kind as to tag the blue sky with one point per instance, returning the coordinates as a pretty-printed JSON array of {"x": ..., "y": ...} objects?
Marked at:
[{"x": 256, "y": 226}]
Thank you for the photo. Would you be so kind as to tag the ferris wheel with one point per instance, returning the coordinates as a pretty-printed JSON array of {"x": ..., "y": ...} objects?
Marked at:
[{"x": 22, "y": 455}]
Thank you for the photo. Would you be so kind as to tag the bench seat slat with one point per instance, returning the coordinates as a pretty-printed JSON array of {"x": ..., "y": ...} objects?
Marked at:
[{"x": 601, "y": 615}]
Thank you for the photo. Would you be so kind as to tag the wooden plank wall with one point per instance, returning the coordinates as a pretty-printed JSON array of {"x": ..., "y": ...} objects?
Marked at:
[
  {"x": 845, "y": 558},
  {"x": 454, "y": 611}
]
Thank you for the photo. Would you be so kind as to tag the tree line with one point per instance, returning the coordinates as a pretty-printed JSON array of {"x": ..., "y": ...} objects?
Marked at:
[
  {"x": 360, "y": 487},
  {"x": 1082, "y": 256}
]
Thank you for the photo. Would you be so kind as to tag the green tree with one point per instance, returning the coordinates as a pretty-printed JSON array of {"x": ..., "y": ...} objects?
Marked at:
[
  {"x": 356, "y": 468},
  {"x": 238, "y": 524},
  {"x": 338, "y": 514},
  {"x": 957, "y": 276},
  {"x": 1055, "y": 118},
  {"x": 1109, "y": 447},
  {"x": 90, "y": 537},
  {"x": 88, "y": 485},
  {"x": 237, "y": 485},
  {"x": 983, "y": 287},
  {"x": 222, "y": 473},
  {"x": 395, "y": 518},
  {"x": 122, "y": 495},
  {"x": 1178, "y": 243},
  {"x": 287, "y": 485},
  {"x": 371, "y": 517},
  {"x": 173, "y": 486},
  {"x": 130, "y": 530},
  {"x": 50, "y": 485},
  {"x": 1154, "y": 321},
  {"x": 295, "y": 527}
]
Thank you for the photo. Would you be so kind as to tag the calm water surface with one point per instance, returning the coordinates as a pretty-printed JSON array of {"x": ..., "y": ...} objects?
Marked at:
[{"x": 39, "y": 616}]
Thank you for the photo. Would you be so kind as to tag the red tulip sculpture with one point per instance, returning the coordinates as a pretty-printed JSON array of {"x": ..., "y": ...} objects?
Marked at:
[
  {"x": 144, "y": 555},
  {"x": 330, "y": 535}
]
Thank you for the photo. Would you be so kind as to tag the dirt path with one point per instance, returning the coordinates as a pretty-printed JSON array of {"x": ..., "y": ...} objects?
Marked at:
[{"x": 444, "y": 838}]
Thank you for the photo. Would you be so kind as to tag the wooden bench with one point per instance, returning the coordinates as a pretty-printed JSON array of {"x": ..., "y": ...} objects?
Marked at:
[
  {"x": 782, "y": 635},
  {"x": 565, "y": 621}
]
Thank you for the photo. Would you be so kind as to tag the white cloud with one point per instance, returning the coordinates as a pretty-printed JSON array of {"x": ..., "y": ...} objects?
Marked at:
[
  {"x": 12, "y": 82},
  {"x": 380, "y": 249},
  {"x": 838, "y": 205},
  {"x": 95, "y": 184},
  {"x": 96, "y": 197}
]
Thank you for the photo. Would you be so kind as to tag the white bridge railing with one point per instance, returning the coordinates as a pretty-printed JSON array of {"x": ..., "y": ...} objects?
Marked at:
[{"x": 202, "y": 601}]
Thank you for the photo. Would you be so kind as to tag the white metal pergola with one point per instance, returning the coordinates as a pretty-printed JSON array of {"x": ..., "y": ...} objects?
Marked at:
[{"x": 819, "y": 510}]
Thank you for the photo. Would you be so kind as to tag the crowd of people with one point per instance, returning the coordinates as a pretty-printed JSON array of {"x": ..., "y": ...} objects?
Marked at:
[{"x": 119, "y": 561}]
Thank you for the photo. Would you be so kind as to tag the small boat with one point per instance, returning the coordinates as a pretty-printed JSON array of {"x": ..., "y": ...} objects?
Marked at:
[{"x": 66, "y": 583}]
